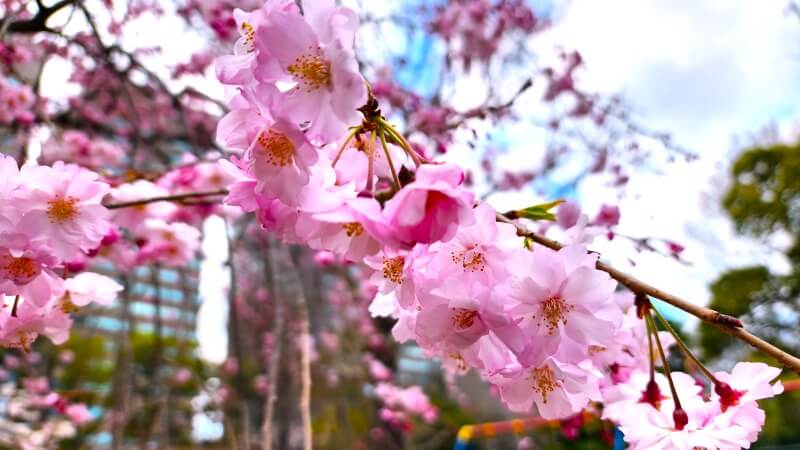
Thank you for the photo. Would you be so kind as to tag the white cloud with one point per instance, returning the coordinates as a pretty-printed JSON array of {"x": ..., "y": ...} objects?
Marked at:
[{"x": 705, "y": 71}]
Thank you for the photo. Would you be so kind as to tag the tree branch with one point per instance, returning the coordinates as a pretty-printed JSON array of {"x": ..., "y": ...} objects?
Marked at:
[
  {"x": 166, "y": 198},
  {"x": 38, "y": 22},
  {"x": 727, "y": 324}
]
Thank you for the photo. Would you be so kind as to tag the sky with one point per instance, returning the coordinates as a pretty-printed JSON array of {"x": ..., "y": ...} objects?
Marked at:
[{"x": 710, "y": 73}]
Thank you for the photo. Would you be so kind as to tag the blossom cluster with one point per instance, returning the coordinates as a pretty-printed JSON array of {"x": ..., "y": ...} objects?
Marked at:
[
  {"x": 472, "y": 28},
  {"x": 28, "y": 418},
  {"x": 545, "y": 327},
  {"x": 16, "y": 101},
  {"x": 727, "y": 418},
  {"x": 460, "y": 284},
  {"x": 80, "y": 148},
  {"x": 53, "y": 222},
  {"x": 400, "y": 403},
  {"x": 49, "y": 216}
]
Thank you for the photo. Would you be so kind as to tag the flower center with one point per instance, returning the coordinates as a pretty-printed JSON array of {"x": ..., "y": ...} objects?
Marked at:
[
  {"x": 469, "y": 259},
  {"x": 544, "y": 381},
  {"x": 353, "y": 229},
  {"x": 21, "y": 268},
  {"x": 249, "y": 34},
  {"x": 554, "y": 312},
  {"x": 393, "y": 269},
  {"x": 276, "y": 147},
  {"x": 24, "y": 340},
  {"x": 62, "y": 209},
  {"x": 66, "y": 304},
  {"x": 463, "y": 318},
  {"x": 461, "y": 364},
  {"x": 311, "y": 70}
]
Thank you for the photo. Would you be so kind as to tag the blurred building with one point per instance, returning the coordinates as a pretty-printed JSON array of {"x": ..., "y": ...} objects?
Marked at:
[{"x": 156, "y": 300}]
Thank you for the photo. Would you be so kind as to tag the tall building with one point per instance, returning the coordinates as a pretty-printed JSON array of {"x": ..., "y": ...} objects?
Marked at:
[{"x": 154, "y": 297}]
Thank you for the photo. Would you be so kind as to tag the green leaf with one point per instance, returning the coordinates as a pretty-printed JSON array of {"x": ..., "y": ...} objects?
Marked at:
[{"x": 539, "y": 212}]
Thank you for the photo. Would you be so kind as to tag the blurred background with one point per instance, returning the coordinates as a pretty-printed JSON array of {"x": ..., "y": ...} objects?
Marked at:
[{"x": 681, "y": 119}]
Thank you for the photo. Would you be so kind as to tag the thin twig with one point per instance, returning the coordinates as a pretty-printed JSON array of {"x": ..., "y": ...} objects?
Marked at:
[{"x": 166, "y": 198}]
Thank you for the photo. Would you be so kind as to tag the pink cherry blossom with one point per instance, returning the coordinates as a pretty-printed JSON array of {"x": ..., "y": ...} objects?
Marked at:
[
  {"x": 63, "y": 202},
  {"x": 79, "y": 148},
  {"x": 28, "y": 271},
  {"x": 396, "y": 271},
  {"x": 567, "y": 214},
  {"x": 315, "y": 52},
  {"x": 747, "y": 382},
  {"x": 280, "y": 158},
  {"x": 21, "y": 331},
  {"x": 558, "y": 389},
  {"x": 608, "y": 216},
  {"x": 647, "y": 428},
  {"x": 618, "y": 398},
  {"x": 9, "y": 180},
  {"x": 88, "y": 287},
  {"x": 477, "y": 252},
  {"x": 344, "y": 230},
  {"x": 429, "y": 209},
  {"x": 78, "y": 413},
  {"x": 238, "y": 68},
  {"x": 171, "y": 244},
  {"x": 562, "y": 302}
]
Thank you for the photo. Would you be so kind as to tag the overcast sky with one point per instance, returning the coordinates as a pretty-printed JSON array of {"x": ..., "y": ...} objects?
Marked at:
[{"x": 710, "y": 73}]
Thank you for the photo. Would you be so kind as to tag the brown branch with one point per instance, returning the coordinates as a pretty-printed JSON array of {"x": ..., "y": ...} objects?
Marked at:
[
  {"x": 166, "y": 198},
  {"x": 38, "y": 22},
  {"x": 727, "y": 324}
]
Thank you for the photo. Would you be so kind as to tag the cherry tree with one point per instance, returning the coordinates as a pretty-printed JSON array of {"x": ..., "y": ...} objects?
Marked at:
[{"x": 342, "y": 199}]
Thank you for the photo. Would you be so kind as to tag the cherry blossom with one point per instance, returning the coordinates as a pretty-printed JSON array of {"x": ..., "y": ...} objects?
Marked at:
[
  {"x": 562, "y": 302},
  {"x": 88, "y": 287},
  {"x": 315, "y": 53},
  {"x": 429, "y": 209},
  {"x": 62, "y": 202}
]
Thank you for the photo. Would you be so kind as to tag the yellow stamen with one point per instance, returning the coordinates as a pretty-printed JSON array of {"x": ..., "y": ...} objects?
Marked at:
[
  {"x": 469, "y": 259},
  {"x": 353, "y": 229},
  {"x": 544, "y": 381},
  {"x": 554, "y": 312},
  {"x": 311, "y": 70},
  {"x": 393, "y": 269},
  {"x": 62, "y": 209},
  {"x": 21, "y": 267},
  {"x": 276, "y": 147},
  {"x": 249, "y": 34}
]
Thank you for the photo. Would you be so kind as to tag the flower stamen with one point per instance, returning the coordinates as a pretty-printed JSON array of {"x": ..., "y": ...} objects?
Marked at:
[
  {"x": 544, "y": 381},
  {"x": 463, "y": 318},
  {"x": 62, "y": 209},
  {"x": 311, "y": 70},
  {"x": 353, "y": 229},
  {"x": 276, "y": 147},
  {"x": 393, "y": 269},
  {"x": 554, "y": 312},
  {"x": 469, "y": 259}
]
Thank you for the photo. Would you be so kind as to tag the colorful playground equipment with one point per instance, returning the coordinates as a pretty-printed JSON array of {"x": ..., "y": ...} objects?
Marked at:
[{"x": 468, "y": 434}]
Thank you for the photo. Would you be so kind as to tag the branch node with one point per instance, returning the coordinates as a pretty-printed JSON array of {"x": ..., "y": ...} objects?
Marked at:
[{"x": 726, "y": 320}]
